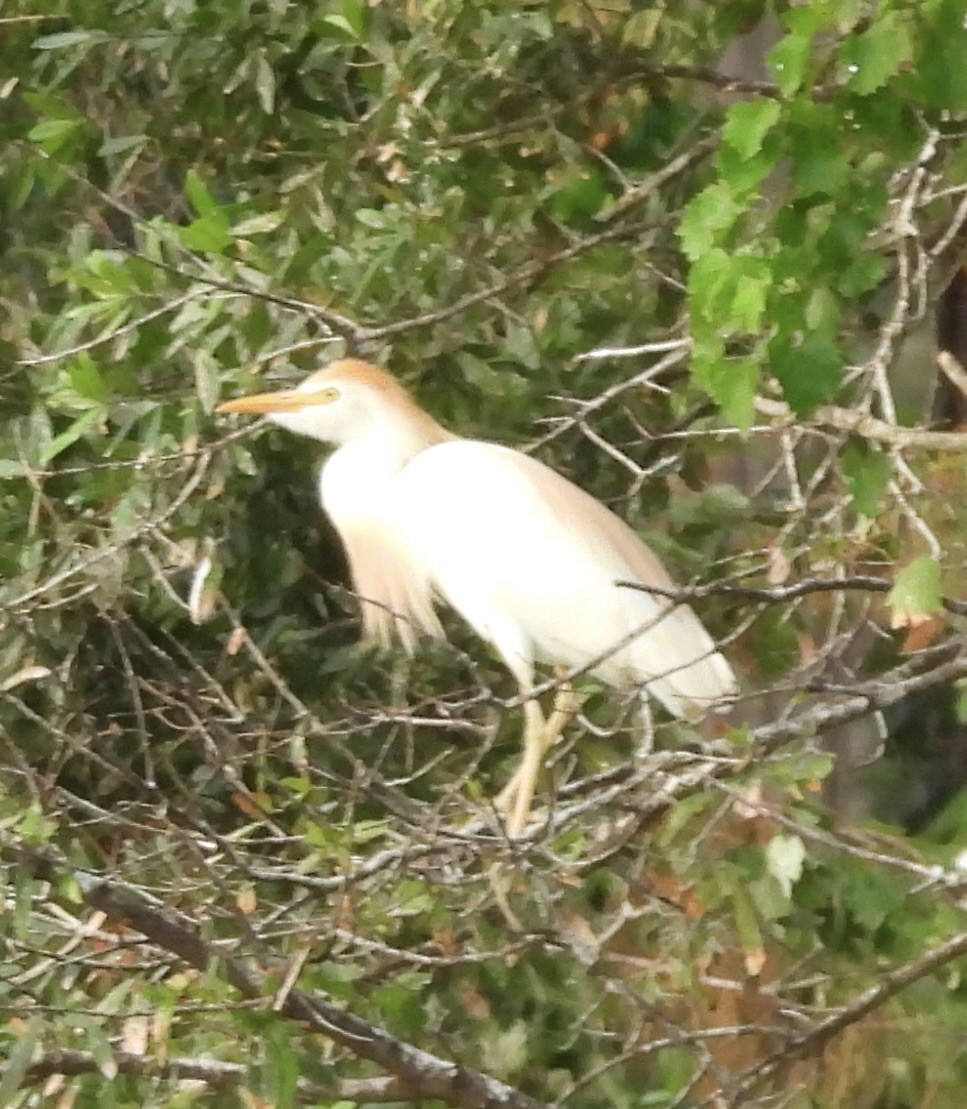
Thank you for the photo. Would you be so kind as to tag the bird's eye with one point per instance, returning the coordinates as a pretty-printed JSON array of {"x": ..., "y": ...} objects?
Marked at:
[{"x": 326, "y": 395}]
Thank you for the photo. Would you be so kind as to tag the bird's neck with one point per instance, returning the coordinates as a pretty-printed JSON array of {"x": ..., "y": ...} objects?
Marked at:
[{"x": 356, "y": 474}]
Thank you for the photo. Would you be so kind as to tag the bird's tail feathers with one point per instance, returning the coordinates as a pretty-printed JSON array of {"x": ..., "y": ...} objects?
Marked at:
[{"x": 695, "y": 678}]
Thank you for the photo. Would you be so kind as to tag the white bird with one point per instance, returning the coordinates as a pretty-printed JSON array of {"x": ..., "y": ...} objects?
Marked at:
[{"x": 528, "y": 559}]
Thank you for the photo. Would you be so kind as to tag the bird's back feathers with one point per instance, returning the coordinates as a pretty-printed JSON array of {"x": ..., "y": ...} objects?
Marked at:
[{"x": 549, "y": 586}]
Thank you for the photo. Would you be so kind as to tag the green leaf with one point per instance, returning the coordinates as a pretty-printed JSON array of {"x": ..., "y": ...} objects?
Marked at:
[
  {"x": 354, "y": 12},
  {"x": 207, "y": 379},
  {"x": 62, "y": 39},
  {"x": 729, "y": 292},
  {"x": 258, "y": 225},
  {"x": 18, "y": 1060},
  {"x": 785, "y": 856},
  {"x": 864, "y": 274},
  {"x": 803, "y": 766},
  {"x": 819, "y": 161},
  {"x": 121, "y": 143},
  {"x": 809, "y": 371},
  {"x": 506, "y": 1053},
  {"x": 69, "y": 437},
  {"x": 731, "y": 382},
  {"x": 872, "y": 58},
  {"x": 265, "y": 83},
  {"x": 749, "y": 300},
  {"x": 866, "y": 472},
  {"x": 53, "y": 134},
  {"x": 201, "y": 199},
  {"x": 960, "y": 704},
  {"x": 211, "y": 234},
  {"x": 10, "y": 467},
  {"x": 822, "y": 311},
  {"x": 480, "y": 374},
  {"x": 706, "y": 279},
  {"x": 747, "y": 125},
  {"x": 916, "y": 592},
  {"x": 707, "y": 215},
  {"x": 371, "y": 217},
  {"x": 743, "y": 175},
  {"x": 940, "y": 76},
  {"x": 679, "y": 816},
  {"x": 788, "y": 59},
  {"x": 85, "y": 379},
  {"x": 282, "y": 1065},
  {"x": 342, "y": 24},
  {"x": 52, "y": 128}
]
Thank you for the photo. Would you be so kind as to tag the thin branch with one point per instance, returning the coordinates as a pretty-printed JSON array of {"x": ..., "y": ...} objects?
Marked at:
[
  {"x": 871, "y": 428},
  {"x": 780, "y": 593},
  {"x": 213, "y": 1072},
  {"x": 633, "y": 352},
  {"x": 114, "y": 333},
  {"x": 498, "y": 131},
  {"x": 655, "y": 180},
  {"x": 709, "y": 76},
  {"x": 951, "y": 366}
]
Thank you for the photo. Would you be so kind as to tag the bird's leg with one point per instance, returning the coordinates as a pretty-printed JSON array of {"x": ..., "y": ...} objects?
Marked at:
[
  {"x": 539, "y": 736},
  {"x": 566, "y": 705},
  {"x": 537, "y": 742},
  {"x": 534, "y": 723}
]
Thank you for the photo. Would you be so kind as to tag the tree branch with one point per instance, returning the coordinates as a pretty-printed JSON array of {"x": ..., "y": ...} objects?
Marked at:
[
  {"x": 778, "y": 594},
  {"x": 655, "y": 180},
  {"x": 950, "y": 366},
  {"x": 213, "y": 1072},
  {"x": 708, "y": 76},
  {"x": 869, "y": 427}
]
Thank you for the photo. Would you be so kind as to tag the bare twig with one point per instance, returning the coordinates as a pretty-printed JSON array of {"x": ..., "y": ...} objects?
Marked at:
[
  {"x": 654, "y": 181},
  {"x": 953, "y": 369},
  {"x": 115, "y": 333},
  {"x": 871, "y": 428},
  {"x": 780, "y": 593},
  {"x": 213, "y": 1073}
]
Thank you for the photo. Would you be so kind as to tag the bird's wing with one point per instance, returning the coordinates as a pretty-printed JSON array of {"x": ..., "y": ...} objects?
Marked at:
[
  {"x": 396, "y": 596},
  {"x": 395, "y": 592},
  {"x": 531, "y": 561}
]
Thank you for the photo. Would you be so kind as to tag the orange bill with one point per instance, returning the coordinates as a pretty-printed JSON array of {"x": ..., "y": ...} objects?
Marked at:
[{"x": 289, "y": 400}]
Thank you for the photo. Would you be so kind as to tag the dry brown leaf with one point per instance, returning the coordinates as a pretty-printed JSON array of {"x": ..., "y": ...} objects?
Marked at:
[{"x": 923, "y": 630}]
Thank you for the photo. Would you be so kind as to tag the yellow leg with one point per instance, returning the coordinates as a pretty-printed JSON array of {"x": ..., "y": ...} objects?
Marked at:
[
  {"x": 539, "y": 736},
  {"x": 534, "y": 724}
]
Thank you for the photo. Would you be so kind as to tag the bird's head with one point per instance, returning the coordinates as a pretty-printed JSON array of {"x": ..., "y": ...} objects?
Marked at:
[{"x": 346, "y": 400}]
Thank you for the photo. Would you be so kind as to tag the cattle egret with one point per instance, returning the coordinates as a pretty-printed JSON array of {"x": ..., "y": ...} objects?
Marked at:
[{"x": 528, "y": 559}]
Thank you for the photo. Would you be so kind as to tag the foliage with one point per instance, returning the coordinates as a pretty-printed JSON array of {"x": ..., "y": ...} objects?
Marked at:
[{"x": 561, "y": 225}]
